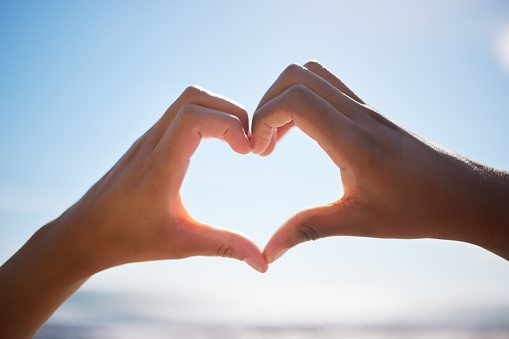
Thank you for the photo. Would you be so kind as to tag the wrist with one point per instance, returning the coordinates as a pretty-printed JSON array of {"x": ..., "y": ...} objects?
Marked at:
[
  {"x": 470, "y": 203},
  {"x": 493, "y": 216},
  {"x": 60, "y": 247},
  {"x": 481, "y": 216},
  {"x": 74, "y": 244}
]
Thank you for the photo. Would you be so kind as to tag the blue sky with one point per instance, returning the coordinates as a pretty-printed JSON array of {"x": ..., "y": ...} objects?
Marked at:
[{"x": 80, "y": 81}]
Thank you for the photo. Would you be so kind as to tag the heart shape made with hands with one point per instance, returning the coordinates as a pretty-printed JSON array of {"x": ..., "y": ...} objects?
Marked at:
[
  {"x": 295, "y": 98},
  {"x": 153, "y": 170},
  {"x": 377, "y": 159},
  {"x": 211, "y": 115},
  {"x": 395, "y": 184}
]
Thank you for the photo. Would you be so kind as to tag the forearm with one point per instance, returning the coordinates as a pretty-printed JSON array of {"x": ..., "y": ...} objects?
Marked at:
[{"x": 36, "y": 281}]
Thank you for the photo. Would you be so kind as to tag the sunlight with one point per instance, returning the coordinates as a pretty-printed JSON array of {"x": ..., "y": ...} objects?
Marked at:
[{"x": 502, "y": 46}]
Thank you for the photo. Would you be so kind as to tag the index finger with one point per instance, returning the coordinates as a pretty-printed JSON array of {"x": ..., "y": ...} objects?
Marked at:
[
  {"x": 314, "y": 116},
  {"x": 192, "y": 124},
  {"x": 294, "y": 75},
  {"x": 202, "y": 97}
]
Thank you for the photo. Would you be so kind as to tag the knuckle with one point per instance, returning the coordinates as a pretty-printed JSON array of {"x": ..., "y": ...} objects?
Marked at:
[
  {"x": 232, "y": 119},
  {"x": 225, "y": 251},
  {"x": 257, "y": 120},
  {"x": 306, "y": 229},
  {"x": 313, "y": 64},
  {"x": 293, "y": 72},
  {"x": 297, "y": 92},
  {"x": 307, "y": 233},
  {"x": 257, "y": 116},
  {"x": 234, "y": 122},
  {"x": 192, "y": 92},
  {"x": 243, "y": 112},
  {"x": 230, "y": 122},
  {"x": 189, "y": 112}
]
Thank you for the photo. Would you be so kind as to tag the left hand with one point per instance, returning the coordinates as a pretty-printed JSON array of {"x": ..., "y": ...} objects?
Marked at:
[{"x": 135, "y": 212}]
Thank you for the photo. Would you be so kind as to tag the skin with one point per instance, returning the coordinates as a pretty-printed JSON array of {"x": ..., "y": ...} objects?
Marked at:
[
  {"x": 134, "y": 213},
  {"x": 396, "y": 184}
]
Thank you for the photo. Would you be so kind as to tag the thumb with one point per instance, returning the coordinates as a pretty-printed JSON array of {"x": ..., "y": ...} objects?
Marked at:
[
  {"x": 206, "y": 240},
  {"x": 310, "y": 224}
]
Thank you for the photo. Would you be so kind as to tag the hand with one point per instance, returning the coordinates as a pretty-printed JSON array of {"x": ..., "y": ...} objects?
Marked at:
[
  {"x": 134, "y": 213},
  {"x": 396, "y": 184}
]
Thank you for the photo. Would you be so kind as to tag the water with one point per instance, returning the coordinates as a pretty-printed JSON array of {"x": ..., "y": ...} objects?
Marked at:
[
  {"x": 121, "y": 315},
  {"x": 207, "y": 331}
]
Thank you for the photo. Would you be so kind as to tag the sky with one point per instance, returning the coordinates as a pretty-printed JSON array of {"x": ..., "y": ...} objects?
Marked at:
[{"x": 81, "y": 81}]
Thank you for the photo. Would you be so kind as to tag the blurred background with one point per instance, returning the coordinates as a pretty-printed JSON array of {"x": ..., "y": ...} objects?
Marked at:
[{"x": 80, "y": 81}]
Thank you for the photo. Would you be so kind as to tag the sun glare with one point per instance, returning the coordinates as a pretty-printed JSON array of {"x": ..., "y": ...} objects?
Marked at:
[{"x": 502, "y": 46}]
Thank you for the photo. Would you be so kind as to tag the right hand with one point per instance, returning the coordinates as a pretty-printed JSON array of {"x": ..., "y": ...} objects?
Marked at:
[{"x": 396, "y": 184}]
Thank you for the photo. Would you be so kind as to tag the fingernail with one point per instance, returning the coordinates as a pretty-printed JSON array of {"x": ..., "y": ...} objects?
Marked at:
[
  {"x": 254, "y": 264},
  {"x": 279, "y": 254}
]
